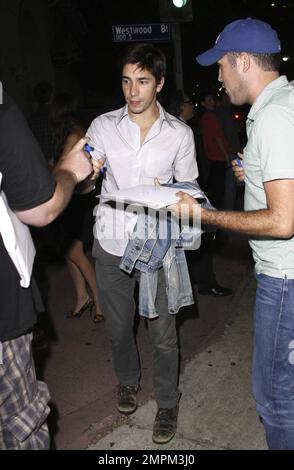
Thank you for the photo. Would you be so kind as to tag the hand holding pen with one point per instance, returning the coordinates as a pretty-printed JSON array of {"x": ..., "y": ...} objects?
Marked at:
[
  {"x": 98, "y": 165},
  {"x": 238, "y": 169}
]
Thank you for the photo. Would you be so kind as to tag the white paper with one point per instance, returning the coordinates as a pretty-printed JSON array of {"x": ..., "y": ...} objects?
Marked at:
[
  {"x": 155, "y": 197},
  {"x": 17, "y": 241}
]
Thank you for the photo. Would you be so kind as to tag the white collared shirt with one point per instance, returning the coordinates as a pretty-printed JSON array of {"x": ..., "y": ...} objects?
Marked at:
[{"x": 168, "y": 152}]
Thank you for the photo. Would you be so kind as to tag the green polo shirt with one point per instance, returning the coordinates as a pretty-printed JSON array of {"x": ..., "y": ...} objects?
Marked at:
[{"x": 268, "y": 156}]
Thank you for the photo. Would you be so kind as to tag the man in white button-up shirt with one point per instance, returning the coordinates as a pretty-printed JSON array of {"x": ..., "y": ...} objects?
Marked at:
[{"x": 137, "y": 144}]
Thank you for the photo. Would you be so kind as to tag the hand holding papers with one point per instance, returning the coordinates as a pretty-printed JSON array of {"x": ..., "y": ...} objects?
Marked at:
[{"x": 155, "y": 197}]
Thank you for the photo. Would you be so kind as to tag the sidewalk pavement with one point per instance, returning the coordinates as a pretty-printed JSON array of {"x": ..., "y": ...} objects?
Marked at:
[
  {"x": 217, "y": 411},
  {"x": 77, "y": 366}
]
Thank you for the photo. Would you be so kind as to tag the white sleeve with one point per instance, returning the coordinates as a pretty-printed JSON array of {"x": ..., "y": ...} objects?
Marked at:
[
  {"x": 96, "y": 141},
  {"x": 185, "y": 168},
  {"x": 275, "y": 137}
]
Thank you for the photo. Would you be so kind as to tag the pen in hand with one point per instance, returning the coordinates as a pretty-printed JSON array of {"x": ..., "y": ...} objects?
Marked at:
[
  {"x": 90, "y": 149},
  {"x": 239, "y": 162}
]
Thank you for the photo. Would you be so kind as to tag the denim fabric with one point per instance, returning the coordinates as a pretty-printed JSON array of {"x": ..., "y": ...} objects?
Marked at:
[
  {"x": 147, "y": 294},
  {"x": 148, "y": 243},
  {"x": 178, "y": 285},
  {"x": 148, "y": 255},
  {"x": 273, "y": 361},
  {"x": 194, "y": 186},
  {"x": 155, "y": 243}
]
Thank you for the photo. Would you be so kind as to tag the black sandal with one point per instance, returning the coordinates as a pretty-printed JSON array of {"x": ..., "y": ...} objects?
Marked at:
[{"x": 87, "y": 305}]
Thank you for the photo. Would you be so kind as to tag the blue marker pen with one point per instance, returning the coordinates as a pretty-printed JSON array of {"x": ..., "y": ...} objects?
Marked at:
[
  {"x": 239, "y": 162},
  {"x": 102, "y": 170},
  {"x": 90, "y": 149}
]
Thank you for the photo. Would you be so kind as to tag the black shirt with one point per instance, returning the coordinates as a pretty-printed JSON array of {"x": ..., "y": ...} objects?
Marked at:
[{"x": 27, "y": 184}]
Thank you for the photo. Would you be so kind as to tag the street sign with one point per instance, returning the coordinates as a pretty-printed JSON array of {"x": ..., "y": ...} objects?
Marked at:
[{"x": 141, "y": 32}]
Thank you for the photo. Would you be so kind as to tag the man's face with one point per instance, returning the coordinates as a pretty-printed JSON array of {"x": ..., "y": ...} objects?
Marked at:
[
  {"x": 233, "y": 79},
  {"x": 139, "y": 88}
]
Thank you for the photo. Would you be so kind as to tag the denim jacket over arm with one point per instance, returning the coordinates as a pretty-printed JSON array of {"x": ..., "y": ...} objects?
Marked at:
[{"x": 156, "y": 242}]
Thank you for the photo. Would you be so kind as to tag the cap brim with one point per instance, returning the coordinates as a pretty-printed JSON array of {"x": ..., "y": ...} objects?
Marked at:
[{"x": 210, "y": 57}]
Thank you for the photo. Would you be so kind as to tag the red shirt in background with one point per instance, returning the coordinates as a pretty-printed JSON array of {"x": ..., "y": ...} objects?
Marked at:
[{"x": 211, "y": 131}]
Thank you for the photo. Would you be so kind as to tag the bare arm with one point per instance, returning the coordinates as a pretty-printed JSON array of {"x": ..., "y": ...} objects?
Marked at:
[
  {"x": 88, "y": 184},
  {"x": 71, "y": 169},
  {"x": 276, "y": 221}
]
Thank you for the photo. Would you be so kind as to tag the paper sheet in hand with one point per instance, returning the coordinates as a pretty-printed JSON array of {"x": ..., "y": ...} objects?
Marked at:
[
  {"x": 17, "y": 240},
  {"x": 155, "y": 197}
]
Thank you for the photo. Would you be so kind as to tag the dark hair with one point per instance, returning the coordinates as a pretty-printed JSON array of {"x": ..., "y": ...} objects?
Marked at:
[
  {"x": 147, "y": 57},
  {"x": 204, "y": 94},
  {"x": 266, "y": 61},
  {"x": 175, "y": 104},
  {"x": 43, "y": 92},
  {"x": 63, "y": 121}
]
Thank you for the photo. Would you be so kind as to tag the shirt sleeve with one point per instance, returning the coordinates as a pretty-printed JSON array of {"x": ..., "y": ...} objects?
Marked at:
[
  {"x": 185, "y": 168},
  {"x": 96, "y": 141},
  {"x": 274, "y": 132},
  {"x": 27, "y": 182}
]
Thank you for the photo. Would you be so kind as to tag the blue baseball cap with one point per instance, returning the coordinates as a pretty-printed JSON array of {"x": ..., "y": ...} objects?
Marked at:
[{"x": 246, "y": 35}]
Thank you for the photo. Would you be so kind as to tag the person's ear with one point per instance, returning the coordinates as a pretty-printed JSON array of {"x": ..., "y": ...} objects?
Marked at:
[
  {"x": 244, "y": 59},
  {"x": 160, "y": 85}
]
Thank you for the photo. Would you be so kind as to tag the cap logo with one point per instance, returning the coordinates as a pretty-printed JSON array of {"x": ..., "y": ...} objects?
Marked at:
[{"x": 217, "y": 39}]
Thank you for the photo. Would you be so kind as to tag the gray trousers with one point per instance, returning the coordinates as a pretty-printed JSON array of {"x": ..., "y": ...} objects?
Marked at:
[{"x": 116, "y": 289}]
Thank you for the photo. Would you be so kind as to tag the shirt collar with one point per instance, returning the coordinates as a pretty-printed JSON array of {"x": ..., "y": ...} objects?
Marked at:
[
  {"x": 123, "y": 112},
  {"x": 266, "y": 95},
  {"x": 163, "y": 115}
]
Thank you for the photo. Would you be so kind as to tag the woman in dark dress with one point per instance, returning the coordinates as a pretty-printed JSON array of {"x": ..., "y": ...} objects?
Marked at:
[{"x": 76, "y": 220}]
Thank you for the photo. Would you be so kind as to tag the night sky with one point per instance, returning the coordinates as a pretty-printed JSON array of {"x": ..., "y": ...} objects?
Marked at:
[{"x": 100, "y": 53}]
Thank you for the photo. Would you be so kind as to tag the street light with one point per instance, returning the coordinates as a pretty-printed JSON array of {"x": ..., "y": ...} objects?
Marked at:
[{"x": 179, "y": 3}]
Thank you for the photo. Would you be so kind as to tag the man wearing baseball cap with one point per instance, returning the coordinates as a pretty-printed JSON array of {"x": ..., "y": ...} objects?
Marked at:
[{"x": 248, "y": 54}]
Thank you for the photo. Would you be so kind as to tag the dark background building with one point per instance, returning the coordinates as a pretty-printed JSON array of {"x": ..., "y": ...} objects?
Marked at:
[{"x": 70, "y": 43}]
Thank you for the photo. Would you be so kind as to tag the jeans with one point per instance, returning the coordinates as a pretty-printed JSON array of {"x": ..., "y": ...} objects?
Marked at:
[
  {"x": 273, "y": 360},
  {"x": 158, "y": 240},
  {"x": 116, "y": 290},
  {"x": 153, "y": 245}
]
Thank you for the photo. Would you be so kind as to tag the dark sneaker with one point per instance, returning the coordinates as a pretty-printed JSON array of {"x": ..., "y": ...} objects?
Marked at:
[
  {"x": 127, "y": 398},
  {"x": 216, "y": 291},
  {"x": 165, "y": 425}
]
